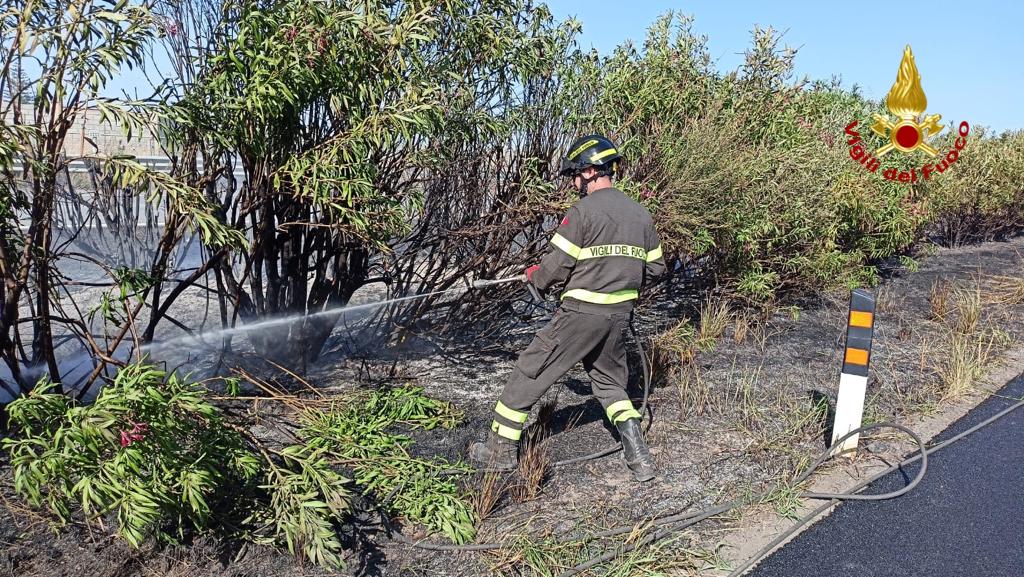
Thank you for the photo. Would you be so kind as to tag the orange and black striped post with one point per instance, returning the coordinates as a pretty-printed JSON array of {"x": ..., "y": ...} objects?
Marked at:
[{"x": 853, "y": 380}]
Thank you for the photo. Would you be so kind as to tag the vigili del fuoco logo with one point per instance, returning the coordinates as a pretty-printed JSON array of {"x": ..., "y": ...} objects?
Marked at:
[{"x": 908, "y": 133}]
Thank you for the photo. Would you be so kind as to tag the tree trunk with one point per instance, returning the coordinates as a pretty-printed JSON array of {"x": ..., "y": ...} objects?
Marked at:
[{"x": 42, "y": 330}]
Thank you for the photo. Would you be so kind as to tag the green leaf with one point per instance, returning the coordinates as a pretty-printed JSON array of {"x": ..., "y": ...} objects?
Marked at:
[{"x": 110, "y": 16}]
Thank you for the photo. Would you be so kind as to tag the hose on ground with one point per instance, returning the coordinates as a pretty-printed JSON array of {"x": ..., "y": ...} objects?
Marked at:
[
  {"x": 686, "y": 520},
  {"x": 676, "y": 522},
  {"x": 692, "y": 517}
]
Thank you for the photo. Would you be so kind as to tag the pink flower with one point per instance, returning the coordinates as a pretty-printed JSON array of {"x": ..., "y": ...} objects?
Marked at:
[{"x": 137, "y": 433}]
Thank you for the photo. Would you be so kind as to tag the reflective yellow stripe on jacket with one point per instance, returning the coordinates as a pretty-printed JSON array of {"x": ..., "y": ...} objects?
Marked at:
[
  {"x": 654, "y": 254},
  {"x": 600, "y": 251},
  {"x": 601, "y": 298},
  {"x": 566, "y": 245},
  {"x": 603, "y": 250}
]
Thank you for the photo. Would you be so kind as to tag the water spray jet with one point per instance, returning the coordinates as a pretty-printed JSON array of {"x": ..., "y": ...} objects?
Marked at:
[{"x": 201, "y": 338}]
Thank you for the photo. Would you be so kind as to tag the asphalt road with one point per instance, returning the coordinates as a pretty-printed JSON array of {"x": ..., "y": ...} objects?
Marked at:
[{"x": 965, "y": 519}]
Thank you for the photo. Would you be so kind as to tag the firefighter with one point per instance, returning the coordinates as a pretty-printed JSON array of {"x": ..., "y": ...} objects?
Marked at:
[{"x": 602, "y": 253}]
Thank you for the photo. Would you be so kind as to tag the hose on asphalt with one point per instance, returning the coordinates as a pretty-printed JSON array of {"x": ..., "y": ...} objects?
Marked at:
[{"x": 676, "y": 522}]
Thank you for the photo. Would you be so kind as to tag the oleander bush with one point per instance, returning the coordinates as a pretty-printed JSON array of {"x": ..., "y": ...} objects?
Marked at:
[
  {"x": 415, "y": 144},
  {"x": 153, "y": 457},
  {"x": 748, "y": 172}
]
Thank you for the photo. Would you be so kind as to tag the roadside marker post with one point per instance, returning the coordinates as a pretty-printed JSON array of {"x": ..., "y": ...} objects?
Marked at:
[{"x": 853, "y": 380}]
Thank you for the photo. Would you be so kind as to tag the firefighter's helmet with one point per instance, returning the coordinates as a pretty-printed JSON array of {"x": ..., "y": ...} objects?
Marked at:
[{"x": 594, "y": 150}]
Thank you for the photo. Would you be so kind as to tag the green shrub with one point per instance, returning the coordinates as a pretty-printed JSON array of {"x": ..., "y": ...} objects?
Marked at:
[
  {"x": 308, "y": 502},
  {"x": 153, "y": 452},
  {"x": 150, "y": 450},
  {"x": 747, "y": 173},
  {"x": 421, "y": 489}
]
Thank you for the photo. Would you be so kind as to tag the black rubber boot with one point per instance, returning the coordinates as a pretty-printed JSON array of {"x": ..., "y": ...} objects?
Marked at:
[
  {"x": 496, "y": 454},
  {"x": 638, "y": 457}
]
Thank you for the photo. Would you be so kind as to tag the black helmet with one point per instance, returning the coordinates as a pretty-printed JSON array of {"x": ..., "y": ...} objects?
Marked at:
[{"x": 594, "y": 150}]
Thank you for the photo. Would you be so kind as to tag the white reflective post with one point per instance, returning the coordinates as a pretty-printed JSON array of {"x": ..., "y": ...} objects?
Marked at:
[{"x": 853, "y": 380}]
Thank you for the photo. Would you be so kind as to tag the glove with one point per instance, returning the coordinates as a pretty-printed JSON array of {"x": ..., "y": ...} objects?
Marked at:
[{"x": 530, "y": 271}]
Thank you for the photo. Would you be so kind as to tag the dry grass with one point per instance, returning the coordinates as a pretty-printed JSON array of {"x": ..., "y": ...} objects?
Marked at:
[
  {"x": 967, "y": 347},
  {"x": 676, "y": 345},
  {"x": 939, "y": 299},
  {"x": 490, "y": 488},
  {"x": 781, "y": 427},
  {"x": 543, "y": 556},
  {"x": 534, "y": 458},
  {"x": 887, "y": 301},
  {"x": 672, "y": 352},
  {"x": 904, "y": 331},
  {"x": 965, "y": 362},
  {"x": 714, "y": 319},
  {"x": 694, "y": 392},
  {"x": 676, "y": 348},
  {"x": 534, "y": 467},
  {"x": 746, "y": 398},
  {"x": 741, "y": 329},
  {"x": 761, "y": 334},
  {"x": 1006, "y": 290},
  {"x": 967, "y": 303}
]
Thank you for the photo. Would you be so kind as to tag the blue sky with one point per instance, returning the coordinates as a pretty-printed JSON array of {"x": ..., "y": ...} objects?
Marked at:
[{"x": 970, "y": 54}]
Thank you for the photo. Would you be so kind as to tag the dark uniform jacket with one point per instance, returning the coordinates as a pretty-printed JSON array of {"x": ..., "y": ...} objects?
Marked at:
[{"x": 604, "y": 251}]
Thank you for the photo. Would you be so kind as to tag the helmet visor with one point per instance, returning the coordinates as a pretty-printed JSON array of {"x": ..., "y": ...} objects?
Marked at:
[{"x": 569, "y": 168}]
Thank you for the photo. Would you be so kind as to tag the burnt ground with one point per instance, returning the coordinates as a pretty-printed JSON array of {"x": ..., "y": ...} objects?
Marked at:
[{"x": 739, "y": 418}]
